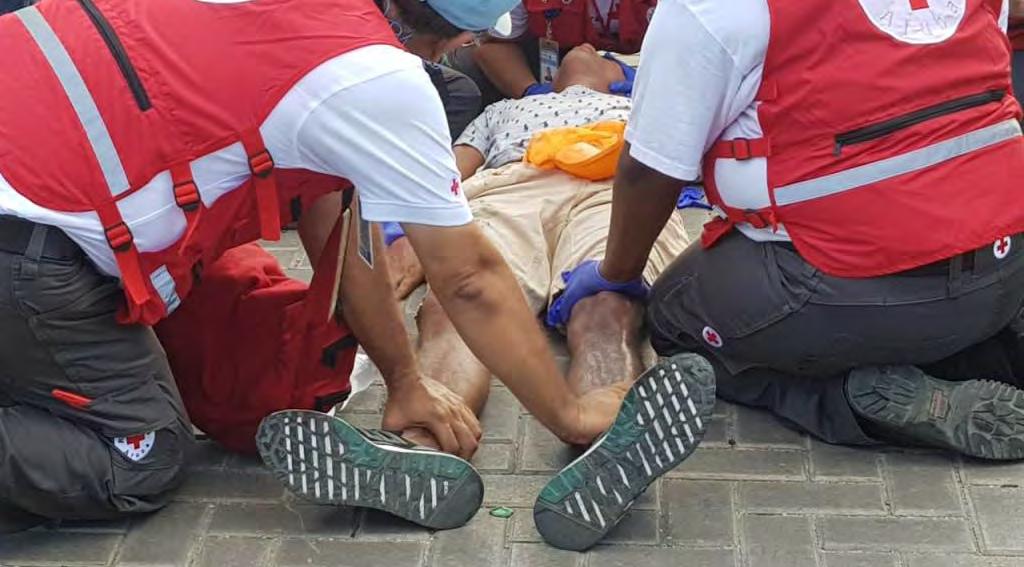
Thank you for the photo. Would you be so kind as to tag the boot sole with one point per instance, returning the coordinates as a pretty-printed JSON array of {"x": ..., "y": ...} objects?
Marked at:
[
  {"x": 325, "y": 460},
  {"x": 978, "y": 418},
  {"x": 662, "y": 420}
]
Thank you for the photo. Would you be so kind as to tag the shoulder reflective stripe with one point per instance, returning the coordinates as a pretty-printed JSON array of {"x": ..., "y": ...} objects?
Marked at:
[
  {"x": 165, "y": 286},
  {"x": 76, "y": 91},
  {"x": 899, "y": 165}
]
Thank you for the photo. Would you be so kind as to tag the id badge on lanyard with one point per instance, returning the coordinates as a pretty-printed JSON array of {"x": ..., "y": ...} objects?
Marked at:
[{"x": 549, "y": 49}]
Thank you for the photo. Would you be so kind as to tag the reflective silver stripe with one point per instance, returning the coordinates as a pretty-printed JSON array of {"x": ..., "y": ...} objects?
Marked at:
[
  {"x": 163, "y": 281},
  {"x": 78, "y": 94},
  {"x": 892, "y": 167}
]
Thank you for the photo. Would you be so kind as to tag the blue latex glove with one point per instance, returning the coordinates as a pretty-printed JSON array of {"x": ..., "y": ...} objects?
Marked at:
[
  {"x": 692, "y": 197},
  {"x": 586, "y": 280},
  {"x": 624, "y": 88},
  {"x": 539, "y": 89},
  {"x": 392, "y": 231}
]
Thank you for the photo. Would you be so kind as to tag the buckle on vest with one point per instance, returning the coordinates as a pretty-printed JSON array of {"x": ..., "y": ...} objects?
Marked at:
[
  {"x": 754, "y": 219},
  {"x": 261, "y": 165},
  {"x": 741, "y": 149},
  {"x": 119, "y": 237},
  {"x": 186, "y": 195}
]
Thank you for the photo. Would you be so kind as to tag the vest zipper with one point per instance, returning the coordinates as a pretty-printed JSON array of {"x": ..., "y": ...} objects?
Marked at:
[
  {"x": 882, "y": 129},
  {"x": 119, "y": 54}
]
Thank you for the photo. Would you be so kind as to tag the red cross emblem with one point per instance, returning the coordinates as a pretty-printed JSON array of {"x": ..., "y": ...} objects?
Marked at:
[
  {"x": 456, "y": 187},
  {"x": 1001, "y": 248},
  {"x": 712, "y": 337},
  {"x": 919, "y": 5},
  {"x": 135, "y": 441},
  {"x": 136, "y": 447}
]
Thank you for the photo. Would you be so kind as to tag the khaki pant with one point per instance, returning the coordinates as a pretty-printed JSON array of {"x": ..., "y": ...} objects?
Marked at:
[{"x": 547, "y": 222}]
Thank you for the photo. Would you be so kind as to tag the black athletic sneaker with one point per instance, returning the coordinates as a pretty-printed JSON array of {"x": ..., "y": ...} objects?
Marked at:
[
  {"x": 978, "y": 418},
  {"x": 661, "y": 422},
  {"x": 326, "y": 460}
]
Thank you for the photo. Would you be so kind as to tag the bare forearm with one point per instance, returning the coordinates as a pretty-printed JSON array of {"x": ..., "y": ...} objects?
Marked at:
[
  {"x": 483, "y": 300},
  {"x": 468, "y": 159},
  {"x": 642, "y": 202},
  {"x": 506, "y": 67}
]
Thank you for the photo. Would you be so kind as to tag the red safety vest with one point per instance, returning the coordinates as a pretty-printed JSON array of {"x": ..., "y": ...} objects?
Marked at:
[
  {"x": 112, "y": 93},
  {"x": 890, "y": 141},
  {"x": 572, "y": 22}
]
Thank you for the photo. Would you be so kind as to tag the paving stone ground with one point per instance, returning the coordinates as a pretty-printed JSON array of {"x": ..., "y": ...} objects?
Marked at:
[{"x": 754, "y": 495}]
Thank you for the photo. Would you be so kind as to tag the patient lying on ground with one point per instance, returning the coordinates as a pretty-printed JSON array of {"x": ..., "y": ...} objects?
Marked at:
[{"x": 545, "y": 222}]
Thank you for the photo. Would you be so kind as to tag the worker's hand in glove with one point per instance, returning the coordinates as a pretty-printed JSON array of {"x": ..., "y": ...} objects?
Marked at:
[
  {"x": 420, "y": 402},
  {"x": 538, "y": 89},
  {"x": 586, "y": 280},
  {"x": 404, "y": 265},
  {"x": 625, "y": 86}
]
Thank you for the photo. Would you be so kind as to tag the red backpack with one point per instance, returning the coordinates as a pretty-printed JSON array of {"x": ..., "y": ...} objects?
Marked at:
[{"x": 250, "y": 341}]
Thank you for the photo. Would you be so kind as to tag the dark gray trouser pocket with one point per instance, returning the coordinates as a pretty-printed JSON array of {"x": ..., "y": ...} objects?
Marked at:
[{"x": 58, "y": 333}]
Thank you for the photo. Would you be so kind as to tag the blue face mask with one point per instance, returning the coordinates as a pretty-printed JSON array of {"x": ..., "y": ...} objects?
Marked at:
[{"x": 402, "y": 31}]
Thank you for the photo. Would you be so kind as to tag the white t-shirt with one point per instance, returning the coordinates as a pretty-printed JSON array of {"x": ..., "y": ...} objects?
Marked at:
[
  {"x": 701, "y": 68},
  {"x": 370, "y": 115}
]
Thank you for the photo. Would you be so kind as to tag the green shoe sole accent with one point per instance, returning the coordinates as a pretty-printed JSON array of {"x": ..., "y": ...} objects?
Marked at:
[
  {"x": 978, "y": 418},
  {"x": 660, "y": 423},
  {"x": 324, "y": 459}
]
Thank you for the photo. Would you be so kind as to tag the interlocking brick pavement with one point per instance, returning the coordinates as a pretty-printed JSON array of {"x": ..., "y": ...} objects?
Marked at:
[{"x": 755, "y": 494}]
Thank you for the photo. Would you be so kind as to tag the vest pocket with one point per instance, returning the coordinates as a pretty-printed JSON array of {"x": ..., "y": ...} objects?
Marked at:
[
  {"x": 887, "y": 127},
  {"x": 117, "y": 50}
]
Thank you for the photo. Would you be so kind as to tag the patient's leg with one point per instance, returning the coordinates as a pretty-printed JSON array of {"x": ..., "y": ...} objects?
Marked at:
[
  {"x": 604, "y": 342},
  {"x": 443, "y": 356}
]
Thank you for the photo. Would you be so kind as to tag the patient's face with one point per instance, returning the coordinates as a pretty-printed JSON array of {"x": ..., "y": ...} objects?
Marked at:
[{"x": 584, "y": 66}]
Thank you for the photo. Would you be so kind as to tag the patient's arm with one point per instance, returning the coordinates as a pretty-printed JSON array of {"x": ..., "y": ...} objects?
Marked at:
[{"x": 468, "y": 159}]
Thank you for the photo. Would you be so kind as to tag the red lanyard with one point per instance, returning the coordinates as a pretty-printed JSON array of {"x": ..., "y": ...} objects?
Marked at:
[{"x": 613, "y": 14}]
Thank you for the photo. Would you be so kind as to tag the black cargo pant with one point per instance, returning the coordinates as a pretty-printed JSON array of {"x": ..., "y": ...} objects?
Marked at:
[
  {"x": 783, "y": 336},
  {"x": 60, "y": 347}
]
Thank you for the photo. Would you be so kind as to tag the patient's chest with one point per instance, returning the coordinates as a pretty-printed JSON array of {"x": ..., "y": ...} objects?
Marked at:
[{"x": 513, "y": 123}]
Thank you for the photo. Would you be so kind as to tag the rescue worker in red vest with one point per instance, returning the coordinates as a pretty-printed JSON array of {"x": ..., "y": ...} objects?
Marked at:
[
  {"x": 864, "y": 275},
  {"x": 523, "y": 62},
  {"x": 136, "y": 149}
]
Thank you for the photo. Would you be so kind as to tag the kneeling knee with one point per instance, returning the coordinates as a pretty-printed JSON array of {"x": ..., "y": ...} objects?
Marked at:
[{"x": 145, "y": 482}]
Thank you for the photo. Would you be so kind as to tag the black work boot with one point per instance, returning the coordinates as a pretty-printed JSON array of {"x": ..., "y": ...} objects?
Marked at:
[
  {"x": 903, "y": 405},
  {"x": 14, "y": 519}
]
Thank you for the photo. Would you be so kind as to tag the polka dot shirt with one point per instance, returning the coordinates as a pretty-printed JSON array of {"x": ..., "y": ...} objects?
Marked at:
[{"x": 505, "y": 128}]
